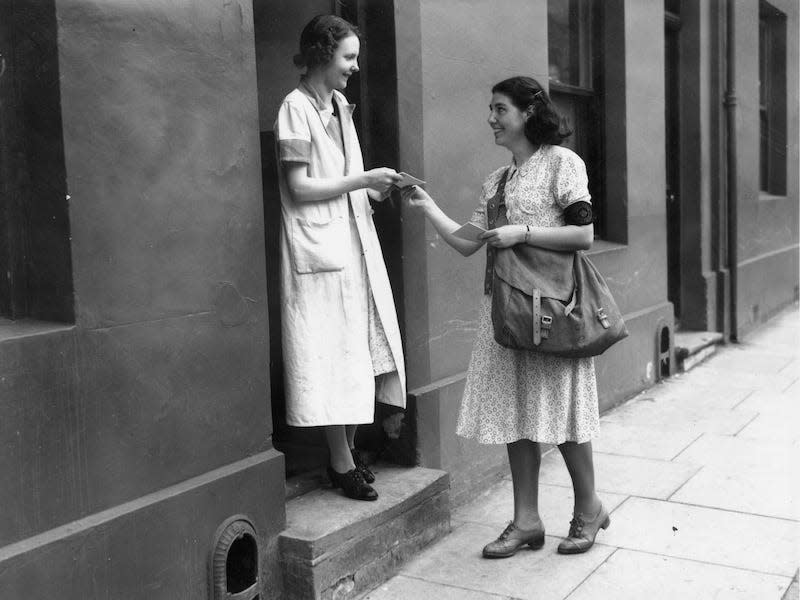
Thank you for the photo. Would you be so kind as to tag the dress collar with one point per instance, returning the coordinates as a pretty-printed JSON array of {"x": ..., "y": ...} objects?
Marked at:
[
  {"x": 318, "y": 103},
  {"x": 525, "y": 168}
]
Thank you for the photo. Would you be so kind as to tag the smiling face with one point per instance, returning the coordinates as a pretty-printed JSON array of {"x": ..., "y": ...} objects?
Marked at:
[
  {"x": 507, "y": 121},
  {"x": 343, "y": 64}
]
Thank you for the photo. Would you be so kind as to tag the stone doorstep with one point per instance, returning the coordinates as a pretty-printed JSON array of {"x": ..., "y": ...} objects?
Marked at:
[
  {"x": 334, "y": 547},
  {"x": 693, "y": 347}
]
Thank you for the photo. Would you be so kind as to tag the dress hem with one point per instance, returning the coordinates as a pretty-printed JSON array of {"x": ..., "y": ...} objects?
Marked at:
[{"x": 516, "y": 438}]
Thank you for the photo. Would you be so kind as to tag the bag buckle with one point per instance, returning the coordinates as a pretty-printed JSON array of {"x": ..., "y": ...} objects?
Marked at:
[
  {"x": 547, "y": 321},
  {"x": 603, "y": 318}
]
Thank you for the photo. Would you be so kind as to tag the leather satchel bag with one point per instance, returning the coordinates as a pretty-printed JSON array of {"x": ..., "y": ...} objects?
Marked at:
[{"x": 548, "y": 301}]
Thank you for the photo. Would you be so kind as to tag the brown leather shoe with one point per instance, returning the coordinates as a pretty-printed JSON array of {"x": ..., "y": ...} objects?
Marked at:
[
  {"x": 512, "y": 539},
  {"x": 582, "y": 532}
]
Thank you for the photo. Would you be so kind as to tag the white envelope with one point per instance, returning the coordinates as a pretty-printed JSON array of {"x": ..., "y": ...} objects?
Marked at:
[
  {"x": 408, "y": 180},
  {"x": 470, "y": 231}
]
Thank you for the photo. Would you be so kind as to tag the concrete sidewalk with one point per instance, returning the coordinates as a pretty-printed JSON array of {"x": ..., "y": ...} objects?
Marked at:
[{"x": 700, "y": 474}]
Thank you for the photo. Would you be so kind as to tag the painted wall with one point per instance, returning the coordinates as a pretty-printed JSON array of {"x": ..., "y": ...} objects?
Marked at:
[
  {"x": 130, "y": 436},
  {"x": 767, "y": 225}
]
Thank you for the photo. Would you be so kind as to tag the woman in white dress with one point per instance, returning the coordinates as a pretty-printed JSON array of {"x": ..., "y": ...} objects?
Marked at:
[
  {"x": 341, "y": 339},
  {"x": 517, "y": 397}
]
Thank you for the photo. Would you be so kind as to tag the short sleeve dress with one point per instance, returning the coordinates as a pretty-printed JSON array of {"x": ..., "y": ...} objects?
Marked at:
[{"x": 516, "y": 394}]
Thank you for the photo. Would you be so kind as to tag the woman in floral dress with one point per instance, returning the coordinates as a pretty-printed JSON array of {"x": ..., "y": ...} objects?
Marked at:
[{"x": 518, "y": 397}]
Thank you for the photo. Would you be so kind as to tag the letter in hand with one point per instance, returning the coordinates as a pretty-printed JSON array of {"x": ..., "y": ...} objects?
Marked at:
[
  {"x": 504, "y": 237},
  {"x": 415, "y": 196},
  {"x": 382, "y": 179}
]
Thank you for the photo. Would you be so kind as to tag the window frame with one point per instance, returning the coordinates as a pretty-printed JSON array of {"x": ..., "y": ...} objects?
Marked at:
[
  {"x": 772, "y": 100},
  {"x": 586, "y": 97},
  {"x": 36, "y": 249}
]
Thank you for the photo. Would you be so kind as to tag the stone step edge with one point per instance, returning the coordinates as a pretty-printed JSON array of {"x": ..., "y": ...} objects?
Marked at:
[
  {"x": 696, "y": 348},
  {"x": 321, "y": 548},
  {"x": 353, "y": 564}
]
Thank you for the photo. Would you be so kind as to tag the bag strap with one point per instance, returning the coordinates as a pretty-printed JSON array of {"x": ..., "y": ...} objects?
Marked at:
[{"x": 495, "y": 217}]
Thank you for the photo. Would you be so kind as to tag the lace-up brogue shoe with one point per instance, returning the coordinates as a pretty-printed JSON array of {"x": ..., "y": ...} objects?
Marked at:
[
  {"x": 583, "y": 531},
  {"x": 353, "y": 484},
  {"x": 512, "y": 539},
  {"x": 361, "y": 466}
]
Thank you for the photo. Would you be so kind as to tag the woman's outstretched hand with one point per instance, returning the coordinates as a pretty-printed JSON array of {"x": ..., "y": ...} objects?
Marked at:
[
  {"x": 381, "y": 179},
  {"x": 416, "y": 197},
  {"x": 505, "y": 236}
]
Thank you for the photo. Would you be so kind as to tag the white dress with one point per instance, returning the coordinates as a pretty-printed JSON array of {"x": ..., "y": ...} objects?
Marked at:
[
  {"x": 338, "y": 318},
  {"x": 517, "y": 394}
]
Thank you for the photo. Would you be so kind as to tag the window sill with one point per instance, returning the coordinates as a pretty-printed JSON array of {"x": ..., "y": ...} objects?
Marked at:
[
  {"x": 11, "y": 330},
  {"x": 767, "y": 197},
  {"x": 604, "y": 247}
]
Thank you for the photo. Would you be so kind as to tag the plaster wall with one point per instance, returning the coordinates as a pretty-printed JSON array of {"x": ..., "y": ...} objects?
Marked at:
[
  {"x": 163, "y": 379},
  {"x": 767, "y": 224},
  {"x": 458, "y": 62}
]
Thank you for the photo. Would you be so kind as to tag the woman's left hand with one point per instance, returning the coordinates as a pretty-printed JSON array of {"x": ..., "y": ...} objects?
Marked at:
[{"x": 505, "y": 236}]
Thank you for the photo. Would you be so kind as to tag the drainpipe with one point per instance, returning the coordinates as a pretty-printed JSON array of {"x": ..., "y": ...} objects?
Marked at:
[{"x": 730, "y": 106}]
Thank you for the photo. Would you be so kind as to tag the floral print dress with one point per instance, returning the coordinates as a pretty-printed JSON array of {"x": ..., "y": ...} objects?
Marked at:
[{"x": 516, "y": 394}]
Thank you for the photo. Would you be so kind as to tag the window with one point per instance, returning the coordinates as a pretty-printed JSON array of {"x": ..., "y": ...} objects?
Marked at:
[
  {"x": 575, "y": 70},
  {"x": 35, "y": 262},
  {"x": 772, "y": 99}
]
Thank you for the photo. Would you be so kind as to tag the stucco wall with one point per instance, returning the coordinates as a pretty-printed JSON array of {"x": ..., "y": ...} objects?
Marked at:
[
  {"x": 163, "y": 379},
  {"x": 767, "y": 243}
]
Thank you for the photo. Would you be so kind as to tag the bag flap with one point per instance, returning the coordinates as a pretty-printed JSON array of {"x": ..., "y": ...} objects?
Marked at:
[{"x": 528, "y": 267}]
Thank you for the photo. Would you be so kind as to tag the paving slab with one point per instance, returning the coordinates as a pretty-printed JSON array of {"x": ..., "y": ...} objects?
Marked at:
[
  {"x": 630, "y": 575},
  {"x": 684, "y": 414},
  {"x": 406, "y": 588},
  {"x": 742, "y": 474},
  {"x": 786, "y": 344},
  {"x": 771, "y": 426},
  {"x": 736, "y": 452},
  {"x": 793, "y": 389},
  {"x": 757, "y": 361},
  {"x": 624, "y": 475},
  {"x": 681, "y": 390},
  {"x": 496, "y": 507},
  {"x": 792, "y": 367},
  {"x": 644, "y": 441},
  {"x": 782, "y": 403},
  {"x": 530, "y": 574},
  {"x": 764, "y": 544},
  {"x": 793, "y": 593},
  {"x": 750, "y": 490},
  {"x": 707, "y": 375}
]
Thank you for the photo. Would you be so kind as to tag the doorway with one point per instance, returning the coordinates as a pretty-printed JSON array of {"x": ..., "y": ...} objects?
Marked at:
[{"x": 374, "y": 91}]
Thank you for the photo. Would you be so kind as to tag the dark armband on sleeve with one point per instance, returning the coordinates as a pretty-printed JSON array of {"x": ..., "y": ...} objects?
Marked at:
[{"x": 578, "y": 213}]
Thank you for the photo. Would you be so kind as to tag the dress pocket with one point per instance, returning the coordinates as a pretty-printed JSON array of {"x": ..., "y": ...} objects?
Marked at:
[{"x": 319, "y": 246}]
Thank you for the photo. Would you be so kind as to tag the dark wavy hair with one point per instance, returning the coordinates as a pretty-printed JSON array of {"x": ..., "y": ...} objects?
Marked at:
[
  {"x": 545, "y": 125},
  {"x": 320, "y": 38}
]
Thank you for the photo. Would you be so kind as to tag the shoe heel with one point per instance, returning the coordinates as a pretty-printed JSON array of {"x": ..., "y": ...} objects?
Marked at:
[
  {"x": 537, "y": 543},
  {"x": 606, "y": 523}
]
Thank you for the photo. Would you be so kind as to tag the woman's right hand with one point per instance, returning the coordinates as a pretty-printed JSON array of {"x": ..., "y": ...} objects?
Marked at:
[
  {"x": 381, "y": 179},
  {"x": 416, "y": 197}
]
